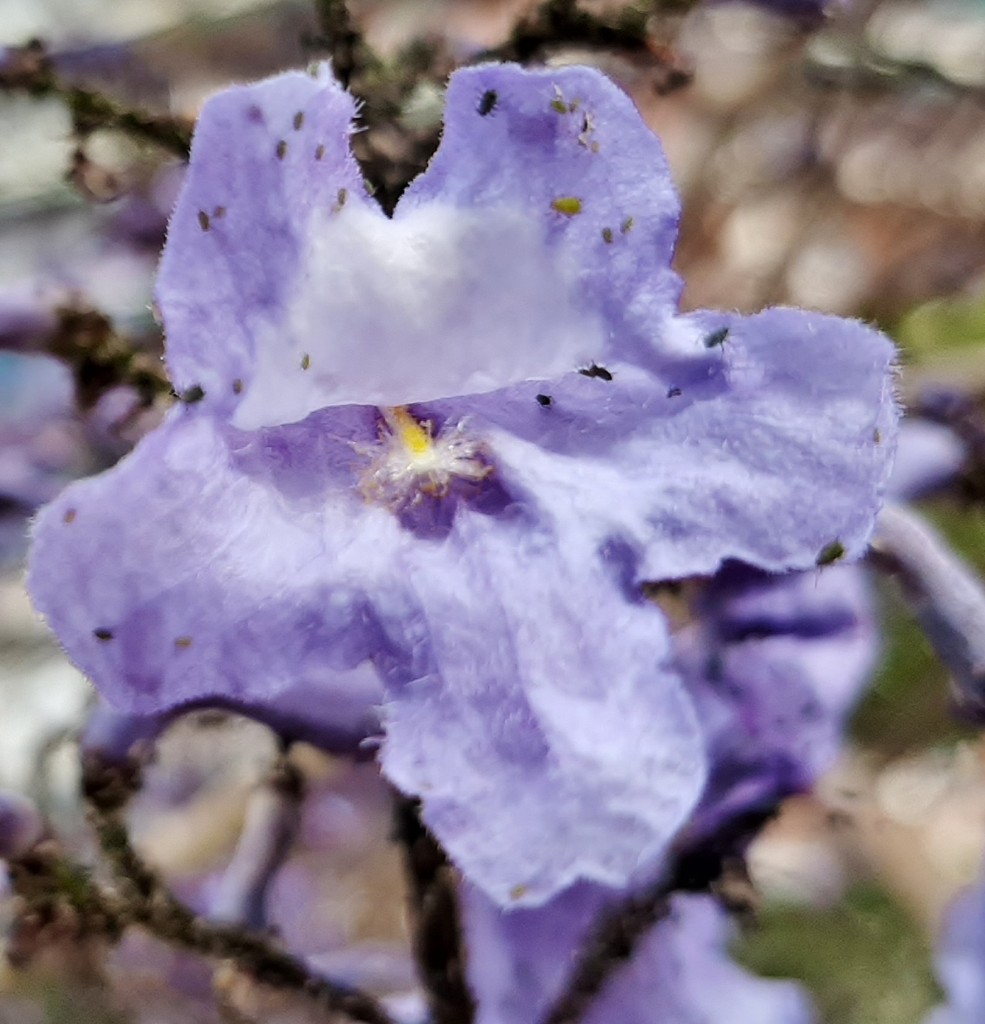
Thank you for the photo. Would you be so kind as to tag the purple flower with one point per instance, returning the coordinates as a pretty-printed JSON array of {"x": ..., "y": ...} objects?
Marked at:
[
  {"x": 21, "y": 825},
  {"x": 929, "y": 457},
  {"x": 41, "y": 444},
  {"x": 960, "y": 960},
  {"x": 775, "y": 664},
  {"x": 452, "y": 444},
  {"x": 679, "y": 974}
]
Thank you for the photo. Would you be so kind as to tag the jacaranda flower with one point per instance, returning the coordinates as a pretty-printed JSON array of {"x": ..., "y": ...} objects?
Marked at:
[
  {"x": 450, "y": 445},
  {"x": 775, "y": 664},
  {"x": 680, "y": 973}
]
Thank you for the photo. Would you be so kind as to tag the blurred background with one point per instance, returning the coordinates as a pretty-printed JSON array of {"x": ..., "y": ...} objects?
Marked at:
[{"x": 837, "y": 165}]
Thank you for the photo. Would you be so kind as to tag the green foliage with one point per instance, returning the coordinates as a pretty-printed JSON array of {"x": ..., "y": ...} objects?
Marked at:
[
  {"x": 942, "y": 327},
  {"x": 864, "y": 960},
  {"x": 908, "y": 705}
]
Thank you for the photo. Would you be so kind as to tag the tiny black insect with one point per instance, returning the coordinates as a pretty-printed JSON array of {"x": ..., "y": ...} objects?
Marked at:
[
  {"x": 193, "y": 394},
  {"x": 673, "y": 392},
  {"x": 488, "y": 102},
  {"x": 545, "y": 400},
  {"x": 716, "y": 337},
  {"x": 596, "y": 371},
  {"x": 103, "y": 634}
]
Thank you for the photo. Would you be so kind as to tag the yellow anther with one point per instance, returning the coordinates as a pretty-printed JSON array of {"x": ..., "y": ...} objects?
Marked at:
[
  {"x": 568, "y": 205},
  {"x": 411, "y": 463},
  {"x": 415, "y": 436}
]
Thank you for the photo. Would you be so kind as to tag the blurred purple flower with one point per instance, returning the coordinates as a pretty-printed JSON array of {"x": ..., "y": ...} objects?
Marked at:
[
  {"x": 27, "y": 314},
  {"x": 808, "y": 12},
  {"x": 775, "y": 664},
  {"x": 929, "y": 457},
  {"x": 680, "y": 973},
  {"x": 41, "y": 444},
  {"x": 388, "y": 453},
  {"x": 960, "y": 960},
  {"x": 21, "y": 825}
]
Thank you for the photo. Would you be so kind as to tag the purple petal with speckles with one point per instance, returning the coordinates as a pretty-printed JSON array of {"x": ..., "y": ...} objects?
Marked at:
[{"x": 272, "y": 539}]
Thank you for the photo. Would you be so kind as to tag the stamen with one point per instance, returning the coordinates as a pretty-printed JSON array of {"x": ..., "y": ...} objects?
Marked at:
[
  {"x": 415, "y": 436},
  {"x": 409, "y": 463}
]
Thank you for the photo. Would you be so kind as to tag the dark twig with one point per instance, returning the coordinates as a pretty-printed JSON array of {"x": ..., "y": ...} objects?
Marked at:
[
  {"x": 562, "y": 23},
  {"x": 611, "y": 944},
  {"x": 700, "y": 862},
  {"x": 341, "y": 40},
  {"x": 391, "y": 152},
  {"x": 101, "y": 358},
  {"x": 56, "y": 899},
  {"x": 30, "y": 69},
  {"x": 143, "y": 899},
  {"x": 436, "y": 929}
]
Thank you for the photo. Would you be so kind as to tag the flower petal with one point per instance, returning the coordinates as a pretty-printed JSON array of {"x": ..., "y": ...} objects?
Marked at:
[
  {"x": 960, "y": 958},
  {"x": 319, "y": 299},
  {"x": 269, "y": 162},
  {"x": 539, "y": 726},
  {"x": 565, "y": 148},
  {"x": 929, "y": 457},
  {"x": 776, "y": 665},
  {"x": 680, "y": 973},
  {"x": 213, "y": 566},
  {"x": 771, "y": 448}
]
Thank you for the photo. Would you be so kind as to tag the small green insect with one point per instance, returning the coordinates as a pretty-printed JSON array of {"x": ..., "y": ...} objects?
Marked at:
[{"x": 830, "y": 554}]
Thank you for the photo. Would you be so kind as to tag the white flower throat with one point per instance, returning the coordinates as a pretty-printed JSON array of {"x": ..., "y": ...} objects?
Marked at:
[{"x": 410, "y": 464}]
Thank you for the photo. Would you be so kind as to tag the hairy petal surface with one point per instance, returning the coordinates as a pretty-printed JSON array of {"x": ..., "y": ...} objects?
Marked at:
[
  {"x": 566, "y": 149},
  {"x": 217, "y": 566},
  {"x": 771, "y": 447},
  {"x": 680, "y": 974},
  {"x": 483, "y": 551},
  {"x": 540, "y": 724},
  {"x": 319, "y": 299},
  {"x": 267, "y": 167}
]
